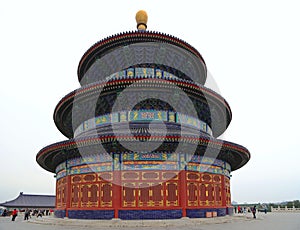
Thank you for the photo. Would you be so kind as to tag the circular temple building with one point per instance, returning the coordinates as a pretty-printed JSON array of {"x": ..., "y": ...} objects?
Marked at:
[{"x": 142, "y": 134}]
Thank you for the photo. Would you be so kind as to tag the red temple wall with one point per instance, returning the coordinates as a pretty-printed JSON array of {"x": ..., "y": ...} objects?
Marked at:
[{"x": 143, "y": 189}]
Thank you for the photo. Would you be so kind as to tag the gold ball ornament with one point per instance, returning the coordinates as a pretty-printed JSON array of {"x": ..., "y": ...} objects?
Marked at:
[{"x": 141, "y": 18}]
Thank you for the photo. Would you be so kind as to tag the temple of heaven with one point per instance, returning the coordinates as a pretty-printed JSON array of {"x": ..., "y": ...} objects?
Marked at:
[{"x": 142, "y": 134}]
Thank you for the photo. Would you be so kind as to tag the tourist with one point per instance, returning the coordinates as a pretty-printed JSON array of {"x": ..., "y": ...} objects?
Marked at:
[
  {"x": 254, "y": 211},
  {"x": 39, "y": 214},
  {"x": 26, "y": 214},
  {"x": 4, "y": 212},
  {"x": 14, "y": 214},
  {"x": 35, "y": 211}
]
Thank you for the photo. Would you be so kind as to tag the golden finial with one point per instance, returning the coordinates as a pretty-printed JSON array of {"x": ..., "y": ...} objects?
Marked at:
[{"x": 141, "y": 18}]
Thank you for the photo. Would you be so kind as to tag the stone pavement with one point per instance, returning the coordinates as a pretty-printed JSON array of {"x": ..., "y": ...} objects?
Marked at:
[{"x": 272, "y": 221}]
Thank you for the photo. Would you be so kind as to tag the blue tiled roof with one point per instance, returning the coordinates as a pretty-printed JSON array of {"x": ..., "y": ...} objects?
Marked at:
[{"x": 31, "y": 201}]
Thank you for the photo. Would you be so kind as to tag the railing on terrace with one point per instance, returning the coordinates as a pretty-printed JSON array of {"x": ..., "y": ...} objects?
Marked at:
[{"x": 285, "y": 209}]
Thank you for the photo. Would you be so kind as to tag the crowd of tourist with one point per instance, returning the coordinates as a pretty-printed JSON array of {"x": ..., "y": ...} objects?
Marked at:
[
  {"x": 28, "y": 213},
  {"x": 244, "y": 210}
]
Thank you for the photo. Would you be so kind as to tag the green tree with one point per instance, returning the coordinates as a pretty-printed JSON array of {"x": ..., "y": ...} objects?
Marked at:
[
  {"x": 297, "y": 203},
  {"x": 290, "y": 204}
]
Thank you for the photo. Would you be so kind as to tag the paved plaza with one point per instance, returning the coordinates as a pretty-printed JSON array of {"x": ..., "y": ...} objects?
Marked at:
[{"x": 272, "y": 221}]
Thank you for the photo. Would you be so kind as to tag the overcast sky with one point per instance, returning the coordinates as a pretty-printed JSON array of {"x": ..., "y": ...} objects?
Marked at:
[{"x": 251, "y": 49}]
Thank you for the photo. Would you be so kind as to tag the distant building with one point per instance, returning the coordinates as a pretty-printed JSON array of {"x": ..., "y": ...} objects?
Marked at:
[{"x": 31, "y": 201}]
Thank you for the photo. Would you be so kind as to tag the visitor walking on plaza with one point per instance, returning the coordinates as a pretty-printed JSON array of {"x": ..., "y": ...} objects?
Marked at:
[
  {"x": 14, "y": 214},
  {"x": 40, "y": 213},
  {"x": 4, "y": 212},
  {"x": 27, "y": 213},
  {"x": 254, "y": 211}
]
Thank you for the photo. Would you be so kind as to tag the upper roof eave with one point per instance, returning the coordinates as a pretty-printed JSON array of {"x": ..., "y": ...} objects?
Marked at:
[{"x": 110, "y": 43}]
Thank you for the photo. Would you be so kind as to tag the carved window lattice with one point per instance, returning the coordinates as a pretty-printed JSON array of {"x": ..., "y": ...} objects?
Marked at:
[
  {"x": 129, "y": 195},
  {"x": 202, "y": 192},
  {"x": 84, "y": 195},
  {"x": 145, "y": 193},
  {"x": 171, "y": 194},
  {"x": 106, "y": 192},
  {"x": 157, "y": 195},
  {"x": 75, "y": 196},
  {"x": 192, "y": 192},
  {"x": 94, "y": 193}
]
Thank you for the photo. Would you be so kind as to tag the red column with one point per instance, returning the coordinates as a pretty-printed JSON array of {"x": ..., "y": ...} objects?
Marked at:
[
  {"x": 116, "y": 196},
  {"x": 183, "y": 192}
]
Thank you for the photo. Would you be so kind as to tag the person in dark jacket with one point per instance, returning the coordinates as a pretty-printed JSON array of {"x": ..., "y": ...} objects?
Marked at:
[
  {"x": 254, "y": 211},
  {"x": 4, "y": 212},
  {"x": 26, "y": 215}
]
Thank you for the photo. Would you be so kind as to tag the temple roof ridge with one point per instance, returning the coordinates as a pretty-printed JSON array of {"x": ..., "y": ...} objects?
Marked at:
[{"x": 31, "y": 200}]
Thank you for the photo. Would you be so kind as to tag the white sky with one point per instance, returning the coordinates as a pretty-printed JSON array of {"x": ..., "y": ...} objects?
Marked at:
[{"x": 251, "y": 48}]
